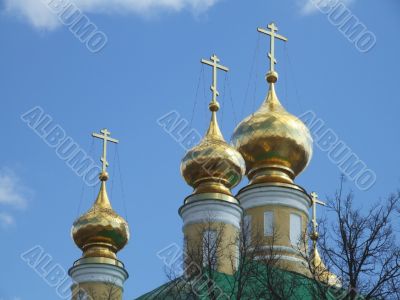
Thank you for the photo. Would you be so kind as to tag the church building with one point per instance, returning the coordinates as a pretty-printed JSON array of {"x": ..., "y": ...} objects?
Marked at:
[{"x": 268, "y": 218}]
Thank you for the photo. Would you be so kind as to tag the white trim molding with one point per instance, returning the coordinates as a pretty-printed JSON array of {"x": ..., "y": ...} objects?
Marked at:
[
  {"x": 106, "y": 273},
  {"x": 274, "y": 195},
  {"x": 207, "y": 209},
  {"x": 285, "y": 257},
  {"x": 277, "y": 249}
]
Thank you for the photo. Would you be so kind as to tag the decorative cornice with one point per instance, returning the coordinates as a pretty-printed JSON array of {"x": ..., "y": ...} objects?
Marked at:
[
  {"x": 99, "y": 260},
  {"x": 261, "y": 195},
  {"x": 212, "y": 196},
  {"x": 97, "y": 272},
  {"x": 285, "y": 257},
  {"x": 206, "y": 209},
  {"x": 291, "y": 186},
  {"x": 277, "y": 249}
]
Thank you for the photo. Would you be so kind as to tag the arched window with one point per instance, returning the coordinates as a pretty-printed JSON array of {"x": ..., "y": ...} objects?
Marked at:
[
  {"x": 268, "y": 223},
  {"x": 247, "y": 228},
  {"x": 295, "y": 229}
]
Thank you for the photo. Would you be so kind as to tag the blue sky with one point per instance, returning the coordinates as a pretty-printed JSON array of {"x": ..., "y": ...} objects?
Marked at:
[{"x": 149, "y": 67}]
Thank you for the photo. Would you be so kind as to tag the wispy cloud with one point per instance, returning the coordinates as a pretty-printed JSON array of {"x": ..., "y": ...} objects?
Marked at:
[
  {"x": 308, "y": 7},
  {"x": 38, "y": 14},
  {"x": 6, "y": 220},
  {"x": 12, "y": 191},
  {"x": 13, "y": 195}
]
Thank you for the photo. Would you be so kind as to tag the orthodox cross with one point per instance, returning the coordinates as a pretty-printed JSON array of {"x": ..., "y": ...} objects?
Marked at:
[
  {"x": 105, "y": 136},
  {"x": 214, "y": 64},
  {"x": 273, "y": 33},
  {"x": 314, "y": 202}
]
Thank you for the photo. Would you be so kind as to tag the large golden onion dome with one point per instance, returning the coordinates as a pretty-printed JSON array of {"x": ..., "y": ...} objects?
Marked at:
[
  {"x": 100, "y": 232},
  {"x": 275, "y": 144},
  {"x": 213, "y": 166}
]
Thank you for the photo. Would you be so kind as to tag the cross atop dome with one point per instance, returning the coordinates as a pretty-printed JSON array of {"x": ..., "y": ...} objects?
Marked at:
[
  {"x": 314, "y": 202},
  {"x": 105, "y": 136},
  {"x": 214, "y": 63},
  {"x": 272, "y": 76}
]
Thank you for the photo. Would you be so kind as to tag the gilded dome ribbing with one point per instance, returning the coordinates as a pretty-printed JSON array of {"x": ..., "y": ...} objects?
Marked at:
[
  {"x": 275, "y": 144},
  {"x": 100, "y": 232},
  {"x": 213, "y": 165}
]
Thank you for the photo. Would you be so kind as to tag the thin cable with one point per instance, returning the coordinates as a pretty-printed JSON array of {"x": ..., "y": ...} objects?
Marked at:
[
  {"x": 204, "y": 92},
  {"x": 81, "y": 199},
  {"x": 255, "y": 85},
  {"x": 122, "y": 186},
  {"x": 196, "y": 96},
  {"x": 231, "y": 100},
  {"x": 223, "y": 98},
  {"x": 294, "y": 79},
  {"x": 285, "y": 75},
  {"x": 256, "y": 50},
  {"x": 94, "y": 192},
  {"x": 83, "y": 182},
  {"x": 113, "y": 172}
]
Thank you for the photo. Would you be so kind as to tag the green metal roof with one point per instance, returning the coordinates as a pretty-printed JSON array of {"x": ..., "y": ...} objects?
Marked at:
[{"x": 292, "y": 286}]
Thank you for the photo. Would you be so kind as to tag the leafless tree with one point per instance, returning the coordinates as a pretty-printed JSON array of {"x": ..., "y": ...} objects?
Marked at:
[
  {"x": 203, "y": 254},
  {"x": 260, "y": 273},
  {"x": 243, "y": 262},
  {"x": 361, "y": 247},
  {"x": 200, "y": 264},
  {"x": 271, "y": 282},
  {"x": 110, "y": 291},
  {"x": 257, "y": 267},
  {"x": 324, "y": 283},
  {"x": 80, "y": 293}
]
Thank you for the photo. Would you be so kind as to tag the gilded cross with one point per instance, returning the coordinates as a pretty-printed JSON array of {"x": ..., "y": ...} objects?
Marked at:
[
  {"x": 314, "y": 202},
  {"x": 214, "y": 64},
  {"x": 105, "y": 136},
  {"x": 273, "y": 33}
]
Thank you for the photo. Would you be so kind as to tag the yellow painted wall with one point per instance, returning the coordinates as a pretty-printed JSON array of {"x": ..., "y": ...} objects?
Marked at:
[
  {"x": 97, "y": 290},
  {"x": 227, "y": 244},
  {"x": 281, "y": 235},
  {"x": 281, "y": 222}
]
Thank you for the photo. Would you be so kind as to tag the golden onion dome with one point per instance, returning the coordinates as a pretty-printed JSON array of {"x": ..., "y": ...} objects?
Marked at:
[
  {"x": 100, "y": 232},
  {"x": 318, "y": 268},
  {"x": 275, "y": 144},
  {"x": 213, "y": 166}
]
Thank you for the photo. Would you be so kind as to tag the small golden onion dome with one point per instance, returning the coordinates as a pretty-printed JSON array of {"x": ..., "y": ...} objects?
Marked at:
[
  {"x": 100, "y": 232},
  {"x": 320, "y": 271},
  {"x": 213, "y": 166},
  {"x": 275, "y": 144}
]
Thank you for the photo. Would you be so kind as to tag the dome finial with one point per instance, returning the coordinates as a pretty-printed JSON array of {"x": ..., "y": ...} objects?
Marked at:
[
  {"x": 214, "y": 105},
  {"x": 105, "y": 136},
  {"x": 272, "y": 75},
  {"x": 213, "y": 130},
  {"x": 213, "y": 166},
  {"x": 318, "y": 267},
  {"x": 101, "y": 232},
  {"x": 314, "y": 201},
  {"x": 275, "y": 144}
]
